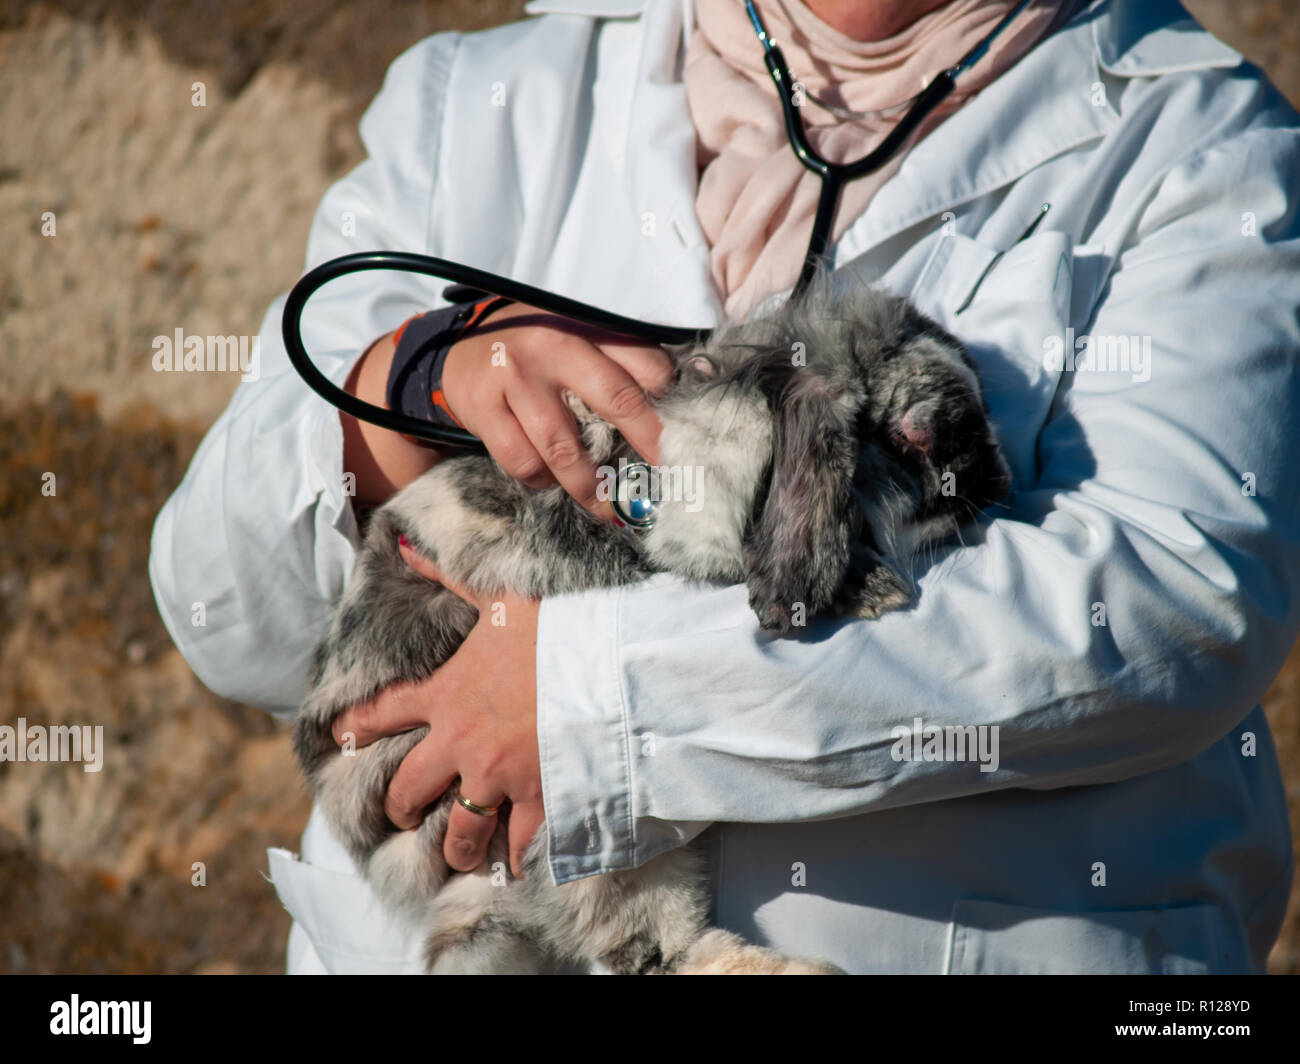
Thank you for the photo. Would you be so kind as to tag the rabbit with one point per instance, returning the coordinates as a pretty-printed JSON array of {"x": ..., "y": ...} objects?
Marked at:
[{"x": 827, "y": 441}]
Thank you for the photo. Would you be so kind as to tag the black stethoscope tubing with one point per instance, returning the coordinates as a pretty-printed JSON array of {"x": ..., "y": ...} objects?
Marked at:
[
  {"x": 833, "y": 178},
  {"x": 480, "y": 280}
]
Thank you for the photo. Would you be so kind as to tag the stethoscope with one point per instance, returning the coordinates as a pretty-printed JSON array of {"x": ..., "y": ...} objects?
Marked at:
[{"x": 471, "y": 284}]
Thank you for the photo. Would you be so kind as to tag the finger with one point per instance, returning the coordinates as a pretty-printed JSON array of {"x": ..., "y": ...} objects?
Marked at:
[
  {"x": 418, "y": 561},
  {"x": 393, "y": 711},
  {"x": 525, "y": 821},
  {"x": 469, "y": 834},
  {"x": 423, "y": 775},
  {"x": 612, "y": 393},
  {"x": 646, "y": 364},
  {"x": 430, "y": 571},
  {"x": 507, "y": 442},
  {"x": 554, "y": 433}
]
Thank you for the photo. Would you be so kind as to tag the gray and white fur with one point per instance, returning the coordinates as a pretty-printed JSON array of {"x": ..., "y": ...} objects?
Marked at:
[{"x": 830, "y": 440}]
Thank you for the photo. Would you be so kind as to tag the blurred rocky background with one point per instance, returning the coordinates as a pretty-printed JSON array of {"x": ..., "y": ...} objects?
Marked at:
[{"x": 173, "y": 215}]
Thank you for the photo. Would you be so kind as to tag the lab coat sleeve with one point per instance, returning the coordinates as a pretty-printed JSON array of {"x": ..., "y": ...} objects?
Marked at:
[
  {"x": 253, "y": 548},
  {"x": 1127, "y": 611}
]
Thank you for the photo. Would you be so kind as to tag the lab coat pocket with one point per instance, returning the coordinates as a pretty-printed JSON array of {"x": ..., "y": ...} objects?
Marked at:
[
  {"x": 1010, "y": 309},
  {"x": 351, "y": 932},
  {"x": 990, "y": 938}
]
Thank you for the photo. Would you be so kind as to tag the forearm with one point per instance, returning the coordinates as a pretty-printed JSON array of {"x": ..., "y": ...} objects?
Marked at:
[{"x": 381, "y": 461}]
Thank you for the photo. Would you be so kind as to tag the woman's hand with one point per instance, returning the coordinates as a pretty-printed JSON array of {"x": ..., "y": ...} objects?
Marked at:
[
  {"x": 505, "y": 381},
  {"x": 481, "y": 709}
]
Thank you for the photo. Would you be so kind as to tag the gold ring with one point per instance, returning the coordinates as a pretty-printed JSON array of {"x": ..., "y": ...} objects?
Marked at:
[{"x": 478, "y": 810}]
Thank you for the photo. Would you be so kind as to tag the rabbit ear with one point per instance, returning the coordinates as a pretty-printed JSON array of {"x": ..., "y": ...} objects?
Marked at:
[{"x": 798, "y": 541}]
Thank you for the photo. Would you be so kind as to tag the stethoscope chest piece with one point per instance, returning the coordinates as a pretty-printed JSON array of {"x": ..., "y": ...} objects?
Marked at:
[{"x": 634, "y": 500}]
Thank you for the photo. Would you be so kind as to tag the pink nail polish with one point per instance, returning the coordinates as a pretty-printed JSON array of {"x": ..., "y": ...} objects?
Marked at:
[{"x": 402, "y": 541}]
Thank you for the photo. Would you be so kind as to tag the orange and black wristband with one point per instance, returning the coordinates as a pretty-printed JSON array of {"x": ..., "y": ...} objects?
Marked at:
[{"x": 422, "y": 343}]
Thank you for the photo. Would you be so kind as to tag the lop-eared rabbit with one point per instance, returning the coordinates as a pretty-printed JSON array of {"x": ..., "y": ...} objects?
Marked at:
[{"x": 826, "y": 442}]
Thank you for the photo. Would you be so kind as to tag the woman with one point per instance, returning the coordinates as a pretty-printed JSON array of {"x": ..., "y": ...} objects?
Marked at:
[{"x": 1110, "y": 632}]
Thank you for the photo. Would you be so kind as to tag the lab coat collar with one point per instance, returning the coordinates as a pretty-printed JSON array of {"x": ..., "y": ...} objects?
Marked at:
[{"x": 1143, "y": 39}]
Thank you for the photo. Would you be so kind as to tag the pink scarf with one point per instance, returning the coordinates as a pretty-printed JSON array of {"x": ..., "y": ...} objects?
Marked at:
[{"x": 755, "y": 200}]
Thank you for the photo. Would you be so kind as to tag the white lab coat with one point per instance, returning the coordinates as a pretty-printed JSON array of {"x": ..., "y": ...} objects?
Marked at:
[{"x": 1118, "y": 622}]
